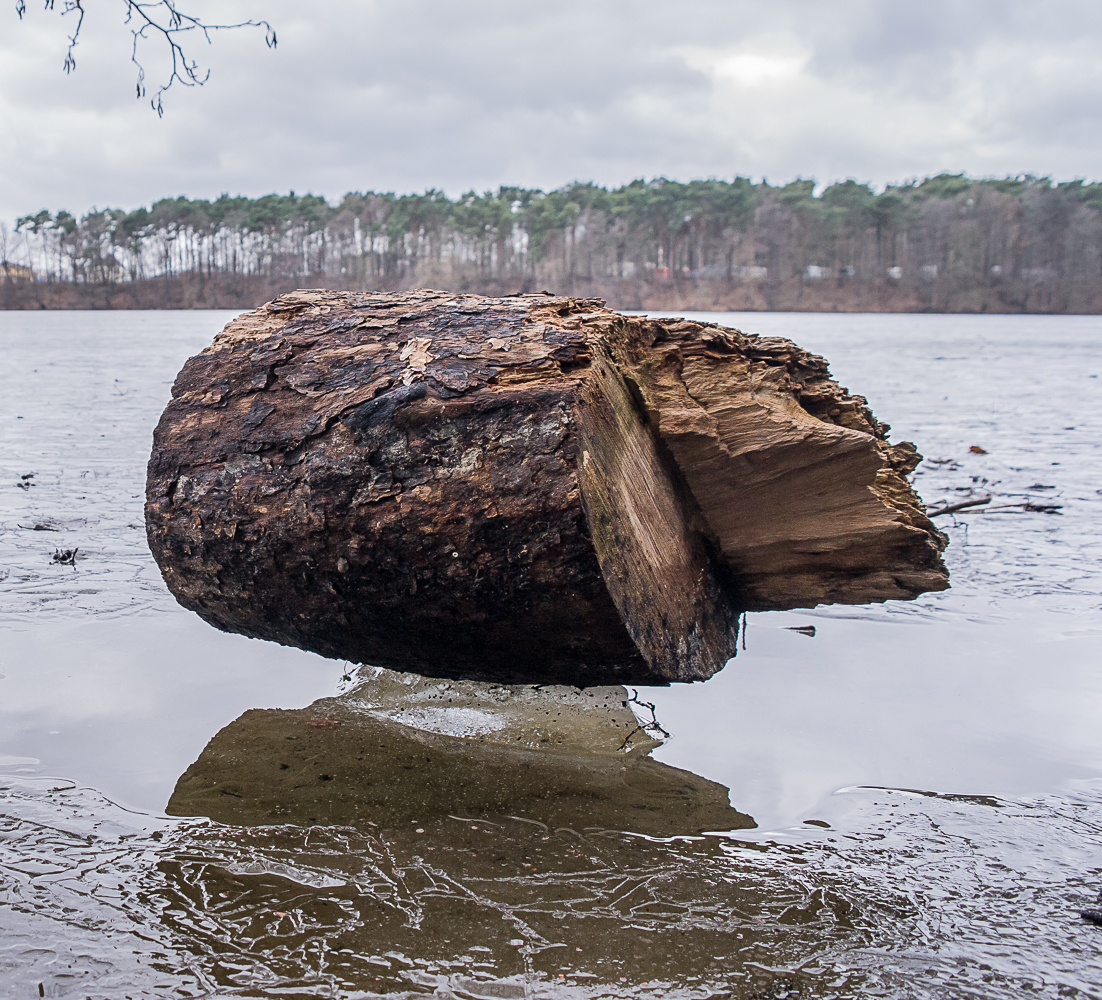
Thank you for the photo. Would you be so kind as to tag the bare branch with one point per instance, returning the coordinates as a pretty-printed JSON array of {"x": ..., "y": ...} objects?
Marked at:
[
  {"x": 70, "y": 5},
  {"x": 958, "y": 506},
  {"x": 646, "y": 728},
  {"x": 165, "y": 19},
  {"x": 157, "y": 19}
]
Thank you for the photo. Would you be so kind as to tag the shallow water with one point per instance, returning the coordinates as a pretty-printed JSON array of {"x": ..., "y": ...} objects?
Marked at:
[{"x": 949, "y": 748}]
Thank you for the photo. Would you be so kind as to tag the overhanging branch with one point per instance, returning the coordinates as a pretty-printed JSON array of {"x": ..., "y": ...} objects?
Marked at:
[{"x": 161, "y": 19}]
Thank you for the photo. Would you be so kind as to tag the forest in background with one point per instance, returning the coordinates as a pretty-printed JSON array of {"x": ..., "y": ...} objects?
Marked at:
[{"x": 948, "y": 243}]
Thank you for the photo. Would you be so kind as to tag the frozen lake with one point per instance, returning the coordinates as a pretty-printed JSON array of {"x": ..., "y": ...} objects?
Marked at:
[{"x": 949, "y": 749}]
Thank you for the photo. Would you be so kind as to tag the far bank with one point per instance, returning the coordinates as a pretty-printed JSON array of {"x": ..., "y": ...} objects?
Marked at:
[{"x": 842, "y": 293}]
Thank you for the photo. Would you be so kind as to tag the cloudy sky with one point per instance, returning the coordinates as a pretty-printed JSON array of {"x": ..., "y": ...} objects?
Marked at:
[{"x": 407, "y": 94}]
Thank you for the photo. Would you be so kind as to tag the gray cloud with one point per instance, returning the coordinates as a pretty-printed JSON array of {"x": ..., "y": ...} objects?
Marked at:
[{"x": 404, "y": 95}]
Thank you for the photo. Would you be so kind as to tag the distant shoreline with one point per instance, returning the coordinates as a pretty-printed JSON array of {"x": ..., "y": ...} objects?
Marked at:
[
  {"x": 947, "y": 244},
  {"x": 836, "y": 295}
]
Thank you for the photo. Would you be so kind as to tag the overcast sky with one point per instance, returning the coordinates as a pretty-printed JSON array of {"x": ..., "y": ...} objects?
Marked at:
[{"x": 407, "y": 94}]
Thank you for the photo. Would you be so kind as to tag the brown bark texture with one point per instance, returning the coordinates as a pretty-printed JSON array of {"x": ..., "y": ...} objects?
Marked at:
[{"x": 521, "y": 489}]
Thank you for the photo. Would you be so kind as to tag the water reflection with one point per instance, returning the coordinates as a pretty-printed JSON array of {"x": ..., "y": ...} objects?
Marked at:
[
  {"x": 938, "y": 896},
  {"x": 399, "y": 749},
  {"x": 473, "y": 840},
  {"x": 126, "y": 703}
]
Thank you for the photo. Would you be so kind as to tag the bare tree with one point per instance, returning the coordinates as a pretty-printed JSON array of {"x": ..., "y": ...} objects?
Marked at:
[{"x": 161, "y": 20}]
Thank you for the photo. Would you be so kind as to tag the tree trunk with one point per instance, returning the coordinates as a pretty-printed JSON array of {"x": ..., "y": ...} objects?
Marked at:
[{"x": 520, "y": 489}]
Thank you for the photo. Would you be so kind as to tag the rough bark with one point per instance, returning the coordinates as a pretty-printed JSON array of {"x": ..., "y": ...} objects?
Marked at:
[{"x": 524, "y": 488}]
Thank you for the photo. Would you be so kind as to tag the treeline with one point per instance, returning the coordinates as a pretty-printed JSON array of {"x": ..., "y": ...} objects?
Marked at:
[{"x": 948, "y": 243}]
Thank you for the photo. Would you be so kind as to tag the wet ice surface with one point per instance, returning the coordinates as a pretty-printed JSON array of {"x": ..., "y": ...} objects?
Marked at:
[
  {"x": 81, "y": 394},
  {"x": 988, "y": 695},
  {"x": 107, "y": 680},
  {"x": 932, "y": 897}
]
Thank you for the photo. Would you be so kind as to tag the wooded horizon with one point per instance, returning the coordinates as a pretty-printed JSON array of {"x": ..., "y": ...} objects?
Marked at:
[{"x": 948, "y": 243}]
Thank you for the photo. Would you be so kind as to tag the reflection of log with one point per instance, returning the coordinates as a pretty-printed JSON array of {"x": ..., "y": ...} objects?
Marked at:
[
  {"x": 388, "y": 754},
  {"x": 527, "y": 488}
]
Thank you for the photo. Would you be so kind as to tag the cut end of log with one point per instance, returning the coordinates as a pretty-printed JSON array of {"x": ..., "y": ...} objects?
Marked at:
[{"x": 521, "y": 488}]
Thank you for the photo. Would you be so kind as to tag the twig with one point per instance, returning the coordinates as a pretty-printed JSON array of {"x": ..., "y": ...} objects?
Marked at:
[
  {"x": 184, "y": 72},
  {"x": 958, "y": 506},
  {"x": 1036, "y": 508},
  {"x": 643, "y": 727},
  {"x": 158, "y": 17}
]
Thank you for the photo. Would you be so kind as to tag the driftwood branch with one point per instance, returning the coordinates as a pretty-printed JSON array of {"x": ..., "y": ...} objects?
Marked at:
[
  {"x": 958, "y": 506},
  {"x": 985, "y": 502}
]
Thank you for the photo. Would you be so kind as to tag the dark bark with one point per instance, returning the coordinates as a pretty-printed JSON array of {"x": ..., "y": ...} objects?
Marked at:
[{"x": 523, "y": 488}]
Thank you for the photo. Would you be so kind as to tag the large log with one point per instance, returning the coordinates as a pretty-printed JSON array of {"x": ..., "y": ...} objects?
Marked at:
[{"x": 518, "y": 489}]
